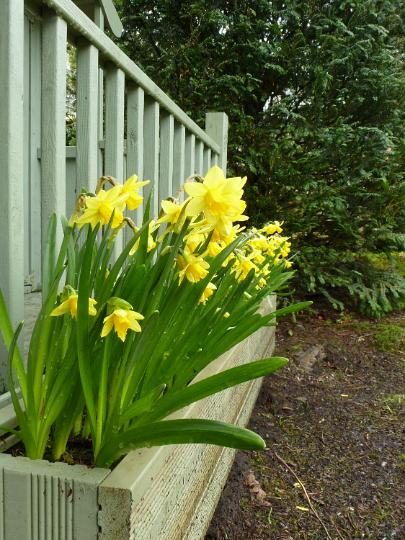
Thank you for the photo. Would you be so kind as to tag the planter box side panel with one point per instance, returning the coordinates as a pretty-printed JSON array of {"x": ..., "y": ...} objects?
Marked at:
[{"x": 43, "y": 501}]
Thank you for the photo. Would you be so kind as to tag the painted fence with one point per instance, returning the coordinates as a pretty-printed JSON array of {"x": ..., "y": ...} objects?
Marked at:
[{"x": 125, "y": 124}]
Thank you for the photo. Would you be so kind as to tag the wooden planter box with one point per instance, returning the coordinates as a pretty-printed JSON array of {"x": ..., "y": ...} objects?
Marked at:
[{"x": 166, "y": 493}]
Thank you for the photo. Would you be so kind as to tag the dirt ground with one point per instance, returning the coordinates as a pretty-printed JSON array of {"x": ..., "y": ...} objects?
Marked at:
[{"x": 333, "y": 421}]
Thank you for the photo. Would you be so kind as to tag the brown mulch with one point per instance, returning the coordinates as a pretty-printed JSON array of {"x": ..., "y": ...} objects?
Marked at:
[{"x": 333, "y": 421}]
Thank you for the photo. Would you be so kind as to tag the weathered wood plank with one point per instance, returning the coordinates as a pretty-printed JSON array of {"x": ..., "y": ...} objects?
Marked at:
[
  {"x": 166, "y": 156},
  {"x": 151, "y": 151},
  {"x": 87, "y": 116},
  {"x": 11, "y": 160},
  {"x": 189, "y": 167},
  {"x": 199, "y": 157},
  {"x": 110, "y": 51},
  {"x": 207, "y": 160},
  {"x": 216, "y": 125},
  {"x": 178, "y": 160},
  {"x": 35, "y": 143},
  {"x": 53, "y": 163},
  {"x": 135, "y": 114},
  {"x": 114, "y": 130}
]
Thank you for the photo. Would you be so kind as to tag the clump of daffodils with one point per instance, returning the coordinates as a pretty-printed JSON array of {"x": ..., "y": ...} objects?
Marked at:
[{"x": 122, "y": 334}]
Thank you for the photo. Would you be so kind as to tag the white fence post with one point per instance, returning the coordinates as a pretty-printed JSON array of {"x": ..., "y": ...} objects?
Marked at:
[
  {"x": 53, "y": 140},
  {"x": 11, "y": 160},
  {"x": 216, "y": 126}
]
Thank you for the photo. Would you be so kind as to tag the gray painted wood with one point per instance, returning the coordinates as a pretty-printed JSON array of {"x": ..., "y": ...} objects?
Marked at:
[
  {"x": 207, "y": 160},
  {"x": 178, "y": 160},
  {"x": 135, "y": 115},
  {"x": 98, "y": 17},
  {"x": 189, "y": 167},
  {"x": 87, "y": 116},
  {"x": 53, "y": 163},
  {"x": 151, "y": 151},
  {"x": 166, "y": 156},
  {"x": 199, "y": 157},
  {"x": 12, "y": 162},
  {"x": 34, "y": 162},
  {"x": 114, "y": 129},
  {"x": 89, "y": 30},
  {"x": 216, "y": 125}
]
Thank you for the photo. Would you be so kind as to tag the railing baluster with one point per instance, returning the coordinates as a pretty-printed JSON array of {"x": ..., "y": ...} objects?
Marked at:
[
  {"x": 87, "y": 116},
  {"x": 11, "y": 159},
  {"x": 135, "y": 114},
  {"x": 114, "y": 129},
  {"x": 151, "y": 151},
  {"x": 207, "y": 160},
  {"x": 216, "y": 126},
  {"x": 166, "y": 157},
  {"x": 190, "y": 155},
  {"x": 199, "y": 157},
  {"x": 178, "y": 159},
  {"x": 53, "y": 140}
]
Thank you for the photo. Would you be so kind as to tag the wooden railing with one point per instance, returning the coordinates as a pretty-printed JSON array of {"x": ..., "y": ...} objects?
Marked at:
[{"x": 125, "y": 124}]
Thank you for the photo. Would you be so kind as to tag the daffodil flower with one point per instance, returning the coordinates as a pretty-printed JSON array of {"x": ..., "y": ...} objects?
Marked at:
[
  {"x": 172, "y": 211},
  {"x": 122, "y": 320},
  {"x": 70, "y": 306},
  {"x": 218, "y": 198},
  {"x": 207, "y": 293},
  {"x": 100, "y": 208},
  {"x": 130, "y": 191},
  {"x": 272, "y": 228},
  {"x": 192, "y": 267}
]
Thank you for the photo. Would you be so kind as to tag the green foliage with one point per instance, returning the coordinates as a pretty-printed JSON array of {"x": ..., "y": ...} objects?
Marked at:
[{"x": 314, "y": 92}]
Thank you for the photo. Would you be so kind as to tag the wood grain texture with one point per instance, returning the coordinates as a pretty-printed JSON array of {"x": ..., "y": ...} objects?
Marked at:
[
  {"x": 206, "y": 160},
  {"x": 178, "y": 159},
  {"x": 53, "y": 163},
  {"x": 135, "y": 115},
  {"x": 216, "y": 125},
  {"x": 151, "y": 151},
  {"x": 166, "y": 156},
  {"x": 11, "y": 160},
  {"x": 114, "y": 131},
  {"x": 87, "y": 116}
]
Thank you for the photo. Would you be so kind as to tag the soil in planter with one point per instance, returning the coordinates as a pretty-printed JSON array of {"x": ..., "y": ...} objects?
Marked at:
[
  {"x": 334, "y": 417},
  {"x": 79, "y": 452}
]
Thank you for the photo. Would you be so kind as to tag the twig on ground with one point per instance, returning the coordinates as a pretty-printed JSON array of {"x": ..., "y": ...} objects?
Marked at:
[{"x": 281, "y": 460}]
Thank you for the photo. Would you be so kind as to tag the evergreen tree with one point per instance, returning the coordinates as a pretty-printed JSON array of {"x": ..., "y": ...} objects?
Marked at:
[{"x": 315, "y": 96}]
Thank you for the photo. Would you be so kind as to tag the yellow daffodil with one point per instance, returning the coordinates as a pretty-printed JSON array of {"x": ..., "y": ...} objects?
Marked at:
[
  {"x": 214, "y": 248},
  {"x": 122, "y": 320},
  {"x": 272, "y": 228},
  {"x": 172, "y": 211},
  {"x": 243, "y": 265},
  {"x": 130, "y": 191},
  {"x": 208, "y": 292},
  {"x": 99, "y": 209},
  {"x": 70, "y": 306},
  {"x": 194, "y": 240},
  {"x": 218, "y": 198},
  {"x": 192, "y": 267}
]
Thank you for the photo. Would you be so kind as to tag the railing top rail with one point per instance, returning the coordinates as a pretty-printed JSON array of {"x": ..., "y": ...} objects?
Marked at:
[{"x": 78, "y": 20}]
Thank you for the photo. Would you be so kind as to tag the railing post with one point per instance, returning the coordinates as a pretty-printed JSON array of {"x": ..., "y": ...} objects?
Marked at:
[
  {"x": 53, "y": 140},
  {"x": 11, "y": 160},
  {"x": 87, "y": 116},
  {"x": 216, "y": 126}
]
